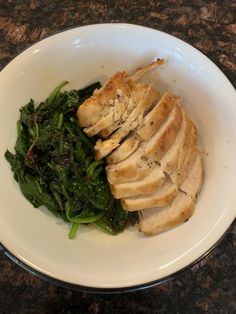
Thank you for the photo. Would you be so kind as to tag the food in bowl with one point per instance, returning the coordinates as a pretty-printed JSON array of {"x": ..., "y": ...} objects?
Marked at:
[
  {"x": 154, "y": 164},
  {"x": 153, "y": 170},
  {"x": 54, "y": 164}
]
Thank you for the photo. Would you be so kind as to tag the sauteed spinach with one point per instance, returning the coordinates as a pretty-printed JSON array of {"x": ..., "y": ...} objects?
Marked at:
[{"x": 54, "y": 164}]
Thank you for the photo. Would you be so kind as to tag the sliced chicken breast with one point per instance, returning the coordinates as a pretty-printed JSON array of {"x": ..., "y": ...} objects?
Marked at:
[
  {"x": 147, "y": 185},
  {"x": 109, "y": 118},
  {"x": 126, "y": 148},
  {"x": 180, "y": 173},
  {"x": 136, "y": 96},
  {"x": 136, "y": 167},
  {"x": 158, "y": 145},
  {"x": 156, "y": 220},
  {"x": 154, "y": 164},
  {"x": 157, "y": 115},
  {"x": 152, "y": 121},
  {"x": 161, "y": 197},
  {"x": 134, "y": 119},
  {"x": 142, "y": 161},
  {"x": 95, "y": 107},
  {"x": 174, "y": 155},
  {"x": 193, "y": 183}
]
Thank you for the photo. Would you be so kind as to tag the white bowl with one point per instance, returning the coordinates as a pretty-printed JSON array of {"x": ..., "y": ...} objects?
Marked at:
[{"x": 128, "y": 260}]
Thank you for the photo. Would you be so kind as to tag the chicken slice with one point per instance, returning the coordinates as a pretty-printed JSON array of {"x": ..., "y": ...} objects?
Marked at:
[
  {"x": 126, "y": 148},
  {"x": 193, "y": 183},
  {"x": 161, "y": 141},
  {"x": 156, "y": 220},
  {"x": 147, "y": 185},
  {"x": 180, "y": 173},
  {"x": 157, "y": 115},
  {"x": 142, "y": 161},
  {"x": 134, "y": 168},
  {"x": 137, "y": 94},
  {"x": 152, "y": 121},
  {"x": 161, "y": 197},
  {"x": 178, "y": 149},
  {"x": 135, "y": 119},
  {"x": 109, "y": 118},
  {"x": 189, "y": 144},
  {"x": 95, "y": 107}
]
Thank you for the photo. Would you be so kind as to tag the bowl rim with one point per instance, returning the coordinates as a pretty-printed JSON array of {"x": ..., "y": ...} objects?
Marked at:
[
  {"x": 116, "y": 290},
  {"x": 117, "y": 24}
]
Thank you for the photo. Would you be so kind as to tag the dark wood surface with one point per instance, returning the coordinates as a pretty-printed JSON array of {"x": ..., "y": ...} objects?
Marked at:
[{"x": 210, "y": 26}]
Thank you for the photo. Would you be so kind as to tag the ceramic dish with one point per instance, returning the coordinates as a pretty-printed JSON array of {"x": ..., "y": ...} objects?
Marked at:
[{"x": 95, "y": 260}]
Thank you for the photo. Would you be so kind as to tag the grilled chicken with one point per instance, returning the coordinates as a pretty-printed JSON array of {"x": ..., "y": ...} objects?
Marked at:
[
  {"x": 156, "y": 220},
  {"x": 176, "y": 153},
  {"x": 194, "y": 180},
  {"x": 161, "y": 197},
  {"x": 151, "y": 123},
  {"x": 149, "y": 184},
  {"x": 126, "y": 148},
  {"x": 149, "y": 152},
  {"x": 133, "y": 121},
  {"x": 150, "y": 144},
  {"x": 95, "y": 107}
]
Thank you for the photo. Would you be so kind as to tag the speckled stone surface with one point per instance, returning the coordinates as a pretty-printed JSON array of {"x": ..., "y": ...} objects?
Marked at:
[{"x": 210, "y": 285}]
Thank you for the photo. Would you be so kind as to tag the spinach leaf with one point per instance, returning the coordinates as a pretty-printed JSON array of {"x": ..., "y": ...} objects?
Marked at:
[
  {"x": 55, "y": 167},
  {"x": 22, "y": 139},
  {"x": 55, "y": 94}
]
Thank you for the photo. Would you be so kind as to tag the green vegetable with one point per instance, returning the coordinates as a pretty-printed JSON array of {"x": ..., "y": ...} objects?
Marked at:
[
  {"x": 55, "y": 167},
  {"x": 73, "y": 230}
]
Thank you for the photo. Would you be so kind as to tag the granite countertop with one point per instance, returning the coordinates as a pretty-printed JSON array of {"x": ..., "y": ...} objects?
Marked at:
[{"x": 210, "y": 285}]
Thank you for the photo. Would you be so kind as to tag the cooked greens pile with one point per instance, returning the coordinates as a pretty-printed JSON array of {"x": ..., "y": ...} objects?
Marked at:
[{"x": 54, "y": 164}]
